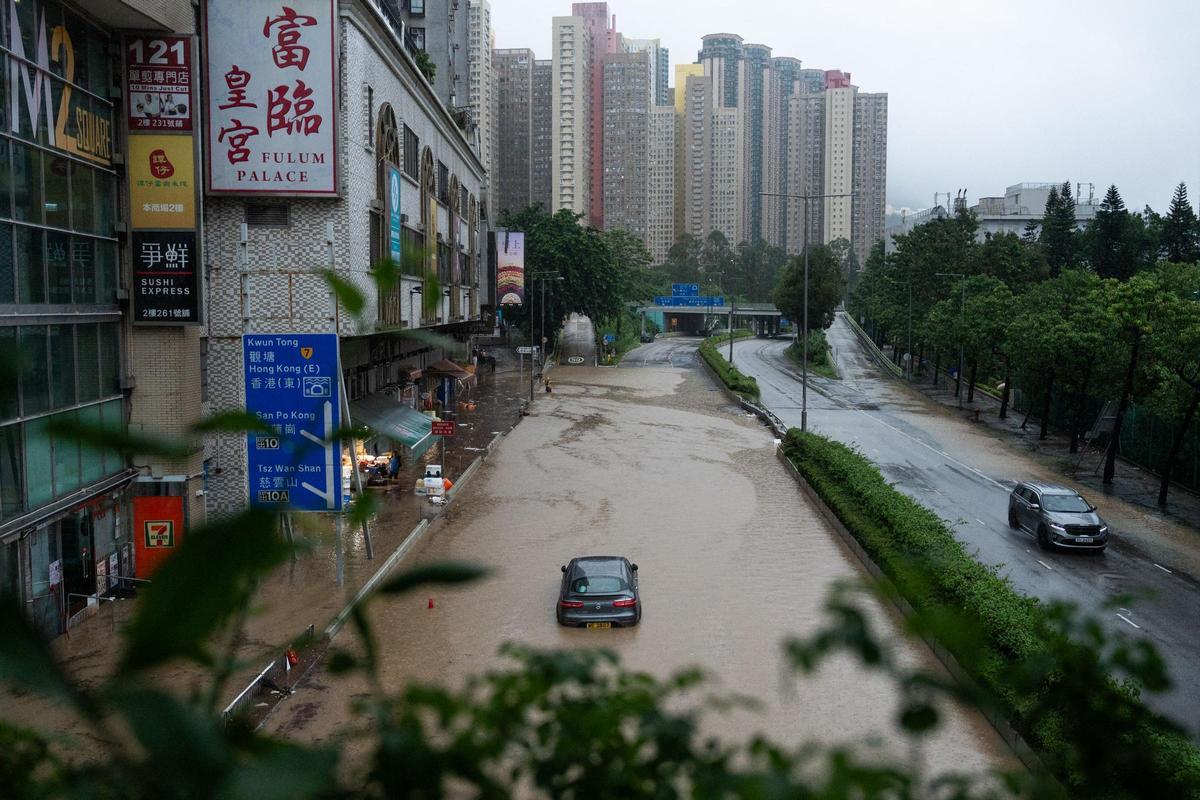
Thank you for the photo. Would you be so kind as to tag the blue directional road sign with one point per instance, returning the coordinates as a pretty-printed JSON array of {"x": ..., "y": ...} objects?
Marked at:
[
  {"x": 700, "y": 301},
  {"x": 609, "y": 338},
  {"x": 292, "y": 386},
  {"x": 685, "y": 290}
]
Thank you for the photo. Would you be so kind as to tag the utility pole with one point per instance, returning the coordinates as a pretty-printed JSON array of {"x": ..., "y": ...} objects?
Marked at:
[
  {"x": 962, "y": 313},
  {"x": 541, "y": 345},
  {"x": 804, "y": 329}
]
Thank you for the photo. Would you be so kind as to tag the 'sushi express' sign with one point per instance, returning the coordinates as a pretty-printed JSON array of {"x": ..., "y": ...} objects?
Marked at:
[{"x": 269, "y": 70}]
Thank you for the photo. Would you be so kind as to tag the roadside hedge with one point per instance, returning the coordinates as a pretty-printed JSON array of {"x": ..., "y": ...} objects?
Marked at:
[
  {"x": 744, "y": 385},
  {"x": 1091, "y": 731}
]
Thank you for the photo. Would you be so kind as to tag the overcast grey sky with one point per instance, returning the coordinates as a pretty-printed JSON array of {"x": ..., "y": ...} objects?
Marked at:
[{"x": 981, "y": 95}]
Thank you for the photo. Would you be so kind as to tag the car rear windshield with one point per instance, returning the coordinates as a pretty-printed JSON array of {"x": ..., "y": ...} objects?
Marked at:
[
  {"x": 1067, "y": 503},
  {"x": 597, "y": 584}
]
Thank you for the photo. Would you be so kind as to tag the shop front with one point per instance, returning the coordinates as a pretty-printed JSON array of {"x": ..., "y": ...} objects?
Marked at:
[{"x": 65, "y": 564}]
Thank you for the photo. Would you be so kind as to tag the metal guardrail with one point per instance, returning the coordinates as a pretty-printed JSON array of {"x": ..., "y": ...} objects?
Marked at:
[{"x": 873, "y": 349}]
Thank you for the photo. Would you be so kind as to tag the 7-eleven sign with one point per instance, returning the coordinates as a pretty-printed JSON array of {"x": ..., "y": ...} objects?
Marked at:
[
  {"x": 160, "y": 520},
  {"x": 159, "y": 532}
]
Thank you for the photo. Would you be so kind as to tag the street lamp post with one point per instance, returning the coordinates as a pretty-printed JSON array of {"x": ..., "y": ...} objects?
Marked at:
[
  {"x": 962, "y": 313},
  {"x": 412, "y": 292},
  {"x": 804, "y": 330},
  {"x": 540, "y": 346}
]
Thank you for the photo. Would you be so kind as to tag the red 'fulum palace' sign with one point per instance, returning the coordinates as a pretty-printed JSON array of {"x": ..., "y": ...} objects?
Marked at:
[{"x": 269, "y": 69}]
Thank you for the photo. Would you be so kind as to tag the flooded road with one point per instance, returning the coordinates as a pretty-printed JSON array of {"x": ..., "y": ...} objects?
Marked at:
[
  {"x": 653, "y": 463},
  {"x": 965, "y": 473}
]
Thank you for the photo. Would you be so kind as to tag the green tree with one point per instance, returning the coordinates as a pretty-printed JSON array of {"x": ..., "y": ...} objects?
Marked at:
[
  {"x": 756, "y": 270},
  {"x": 824, "y": 288},
  {"x": 1137, "y": 307},
  {"x": 1175, "y": 359},
  {"x": 1012, "y": 260},
  {"x": 1180, "y": 237},
  {"x": 717, "y": 261},
  {"x": 1111, "y": 240},
  {"x": 1059, "y": 237},
  {"x": 683, "y": 260},
  {"x": 596, "y": 280}
]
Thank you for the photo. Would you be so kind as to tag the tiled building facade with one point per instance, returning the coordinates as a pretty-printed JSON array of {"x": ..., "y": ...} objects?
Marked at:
[{"x": 271, "y": 275}]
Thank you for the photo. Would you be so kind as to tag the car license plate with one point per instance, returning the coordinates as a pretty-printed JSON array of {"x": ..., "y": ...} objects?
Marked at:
[
  {"x": 599, "y": 625},
  {"x": 1083, "y": 539}
]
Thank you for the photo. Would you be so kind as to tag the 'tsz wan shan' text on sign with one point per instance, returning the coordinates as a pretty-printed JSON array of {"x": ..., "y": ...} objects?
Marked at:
[{"x": 271, "y": 96}]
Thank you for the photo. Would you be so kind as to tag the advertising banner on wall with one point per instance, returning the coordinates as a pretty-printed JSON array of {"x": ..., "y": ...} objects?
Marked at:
[
  {"x": 157, "y": 531},
  {"x": 159, "y": 83},
  {"x": 165, "y": 276},
  {"x": 272, "y": 107},
  {"x": 162, "y": 182},
  {"x": 510, "y": 268},
  {"x": 393, "y": 212},
  {"x": 161, "y": 171}
]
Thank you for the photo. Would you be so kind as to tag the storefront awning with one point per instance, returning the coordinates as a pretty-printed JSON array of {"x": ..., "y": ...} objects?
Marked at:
[
  {"x": 447, "y": 368},
  {"x": 389, "y": 418}
]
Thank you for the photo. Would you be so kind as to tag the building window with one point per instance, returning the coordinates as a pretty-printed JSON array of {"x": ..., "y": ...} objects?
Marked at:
[
  {"x": 443, "y": 183},
  {"x": 416, "y": 8},
  {"x": 412, "y": 148}
]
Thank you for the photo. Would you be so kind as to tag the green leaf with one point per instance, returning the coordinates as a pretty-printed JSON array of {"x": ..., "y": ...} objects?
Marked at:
[
  {"x": 185, "y": 746},
  {"x": 232, "y": 422},
  {"x": 385, "y": 272},
  {"x": 25, "y": 658},
  {"x": 918, "y": 718},
  {"x": 444, "y": 572},
  {"x": 359, "y": 432},
  {"x": 347, "y": 293},
  {"x": 104, "y": 437},
  {"x": 284, "y": 772},
  {"x": 211, "y": 576}
]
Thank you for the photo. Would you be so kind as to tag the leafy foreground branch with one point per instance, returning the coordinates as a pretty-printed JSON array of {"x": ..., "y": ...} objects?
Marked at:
[
  {"x": 1040, "y": 666},
  {"x": 575, "y": 724}
]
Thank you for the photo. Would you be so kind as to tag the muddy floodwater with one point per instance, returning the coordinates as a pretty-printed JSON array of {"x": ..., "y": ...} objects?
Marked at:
[{"x": 657, "y": 465}]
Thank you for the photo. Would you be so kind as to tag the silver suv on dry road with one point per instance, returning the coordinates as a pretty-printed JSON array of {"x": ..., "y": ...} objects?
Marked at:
[{"x": 1057, "y": 515}]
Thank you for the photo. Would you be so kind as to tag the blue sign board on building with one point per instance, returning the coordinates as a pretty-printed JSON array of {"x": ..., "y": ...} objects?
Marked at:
[
  {"x": 700, "y": 301},
  {"x": 685, "y": 289},
  {"x": 292, "y": 386},
  {"x": 393, "y": 212}
]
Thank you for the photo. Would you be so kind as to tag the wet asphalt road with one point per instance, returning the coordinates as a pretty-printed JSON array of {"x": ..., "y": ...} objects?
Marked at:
[
  {"x": 669, "y": 351},
  {"x": 965, "y": 475},
  {"x": 656, "y": 464}
]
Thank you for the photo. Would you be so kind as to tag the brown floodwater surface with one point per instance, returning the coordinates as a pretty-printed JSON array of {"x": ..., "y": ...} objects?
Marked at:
[{"x": 657, "y": 465}]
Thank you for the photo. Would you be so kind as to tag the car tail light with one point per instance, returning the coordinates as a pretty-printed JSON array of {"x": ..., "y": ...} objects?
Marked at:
[
  {"x": 630, "y": 603},
  {"x": 570, "y": 604}
]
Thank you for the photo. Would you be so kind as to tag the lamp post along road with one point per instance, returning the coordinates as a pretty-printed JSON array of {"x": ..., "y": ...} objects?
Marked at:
[
  {"x": 540, "y": 347},
  {"x": 962, "y": 313},
  {"x": 804, "y": 330}
]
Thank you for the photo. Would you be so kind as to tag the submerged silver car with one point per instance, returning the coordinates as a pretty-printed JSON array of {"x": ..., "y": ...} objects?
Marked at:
[
  {"x": 1057, "y": 515},
  {"x": 599, "y": 592}
]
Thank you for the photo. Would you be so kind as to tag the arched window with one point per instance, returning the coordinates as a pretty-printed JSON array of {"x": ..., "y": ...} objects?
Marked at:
[{"x": 387, "y": 153}]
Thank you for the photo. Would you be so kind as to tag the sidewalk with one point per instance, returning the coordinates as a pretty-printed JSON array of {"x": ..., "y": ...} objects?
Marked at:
[
  {"x": 304, "y": 592},
  {"x": 1131, "y": 483}
]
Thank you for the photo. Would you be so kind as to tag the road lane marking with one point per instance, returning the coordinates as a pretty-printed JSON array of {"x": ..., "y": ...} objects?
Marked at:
[
  {"x": 1044, "y": 564},
  {"x": 981, "y": 522},
  {"x": 1164, "y": 569},
  {"x": 1131, "y": 622}
]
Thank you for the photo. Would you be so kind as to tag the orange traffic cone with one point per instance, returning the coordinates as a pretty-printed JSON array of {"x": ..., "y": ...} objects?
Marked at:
[{"x": 430, "y": 603}]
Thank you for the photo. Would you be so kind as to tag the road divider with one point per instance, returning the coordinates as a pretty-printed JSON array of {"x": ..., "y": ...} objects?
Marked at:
[
  {"x": 742, "y": 385},
  {"x": 1043, "y": 690}
]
